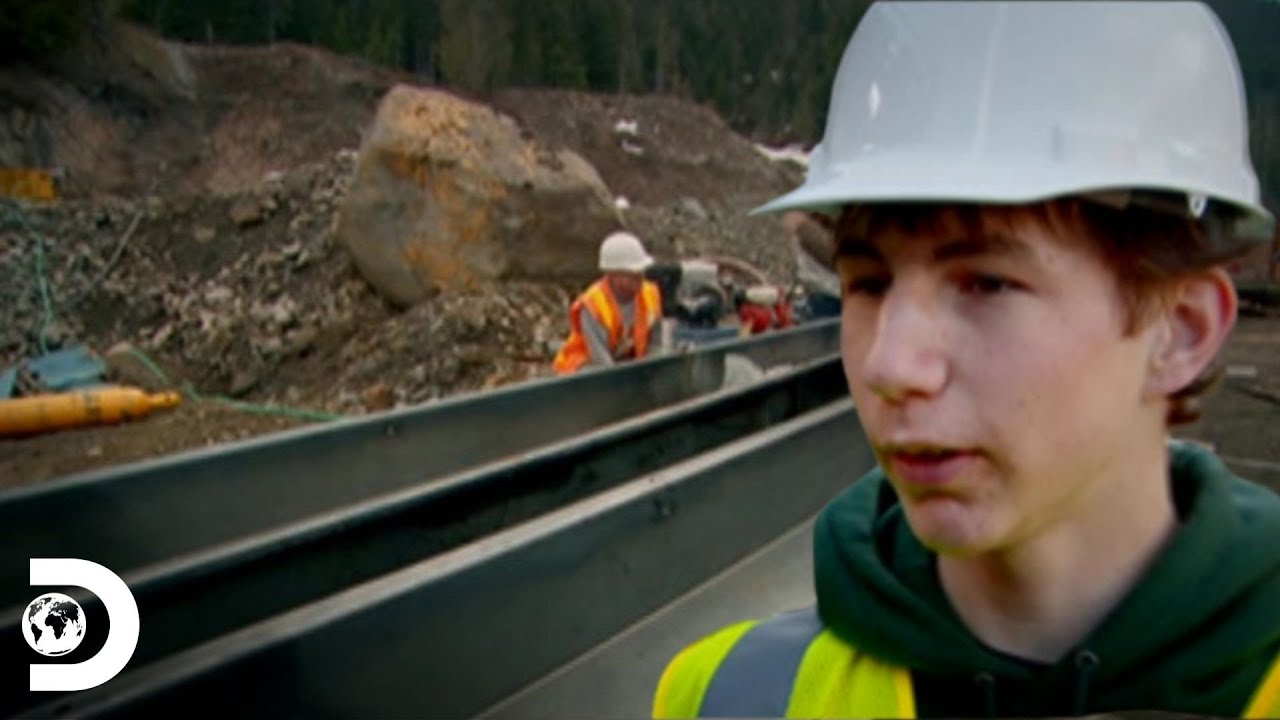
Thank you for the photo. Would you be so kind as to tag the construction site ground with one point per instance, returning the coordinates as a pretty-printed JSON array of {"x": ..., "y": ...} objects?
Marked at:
[{"x": 1242, "y": 416}]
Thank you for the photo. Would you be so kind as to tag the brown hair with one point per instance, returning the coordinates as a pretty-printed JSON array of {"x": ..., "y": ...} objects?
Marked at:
[{"x": 1149, "y": 250}]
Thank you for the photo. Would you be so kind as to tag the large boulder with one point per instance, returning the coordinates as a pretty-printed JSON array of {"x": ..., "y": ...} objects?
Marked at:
[{"x": 448, "y": 194}]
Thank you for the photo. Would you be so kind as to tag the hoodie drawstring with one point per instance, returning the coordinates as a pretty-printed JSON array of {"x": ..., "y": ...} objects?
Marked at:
[
  {"x": 1086, "y": 664},
  {"x": 987, "y": 682}
]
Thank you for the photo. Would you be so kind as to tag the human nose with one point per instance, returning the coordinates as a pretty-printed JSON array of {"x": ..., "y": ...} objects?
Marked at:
[{"x": 905, "y": 357}]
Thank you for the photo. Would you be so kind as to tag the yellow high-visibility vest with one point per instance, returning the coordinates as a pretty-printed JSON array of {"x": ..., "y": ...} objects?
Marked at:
[{"x": 792, "y": 666}]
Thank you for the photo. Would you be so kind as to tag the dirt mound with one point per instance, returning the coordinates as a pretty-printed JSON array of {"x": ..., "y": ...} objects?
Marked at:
[
  {"x": 137, "y": 115},
  {"x": 248, "y": 295},
  {"x": 273, "y": 108},
  {"x": 652, "y": 150},
  {"x": 687, "y": 181},
  {"x": 160, "y": 271}
]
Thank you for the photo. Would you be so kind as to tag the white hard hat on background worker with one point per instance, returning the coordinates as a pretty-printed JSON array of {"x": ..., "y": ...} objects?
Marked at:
[
  {"x": 988, "y": 102},
  {"x": 623, "y": 252}
]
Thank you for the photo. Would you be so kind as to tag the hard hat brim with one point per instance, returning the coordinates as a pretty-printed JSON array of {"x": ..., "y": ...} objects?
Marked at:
[
  {"x": 638, "y": 267},
  {"x": 897, "y": 178}
]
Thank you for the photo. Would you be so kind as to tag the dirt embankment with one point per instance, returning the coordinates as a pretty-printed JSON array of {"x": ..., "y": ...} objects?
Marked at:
[{"x": 201, "y": 188}]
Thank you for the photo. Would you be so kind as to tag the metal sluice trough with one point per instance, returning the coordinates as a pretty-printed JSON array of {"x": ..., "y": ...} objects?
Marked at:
[
  {"x": 134, "y": 515},
  {"x": 448, "y": 596}
]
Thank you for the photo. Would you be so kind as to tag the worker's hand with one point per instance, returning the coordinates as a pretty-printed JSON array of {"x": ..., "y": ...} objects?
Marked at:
[{"x": 624, "y": 349}]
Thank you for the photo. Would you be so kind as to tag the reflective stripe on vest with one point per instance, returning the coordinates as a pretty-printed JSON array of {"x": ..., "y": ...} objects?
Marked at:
[
  {"x": 756, "y": 677},
  {"x": 646, "y": 311},
  {"x": 599, "y": 302},
  {"x": 790, "y": 666},
  {"x": 648, "y": 314},
  {"x": 786, "y": 666},
  {"x": 1266, "y": 700}
]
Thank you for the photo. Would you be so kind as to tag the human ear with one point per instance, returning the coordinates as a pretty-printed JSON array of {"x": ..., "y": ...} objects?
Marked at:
[{"x": 1195, "y": 325}]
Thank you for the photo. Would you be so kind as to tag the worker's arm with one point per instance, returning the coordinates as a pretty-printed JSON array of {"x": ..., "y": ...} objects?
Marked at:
[
  {"x": 655, "y": 338},
  {"x": 597, "y": 338}
]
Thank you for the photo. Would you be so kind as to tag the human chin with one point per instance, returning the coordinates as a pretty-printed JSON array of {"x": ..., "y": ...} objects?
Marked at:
[
  {"x": 966, "y": 517},
  {"x": 952, "y": 525}
]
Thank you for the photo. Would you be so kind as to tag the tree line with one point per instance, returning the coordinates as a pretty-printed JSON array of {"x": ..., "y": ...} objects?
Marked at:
[{"x": 765, "y": 65}]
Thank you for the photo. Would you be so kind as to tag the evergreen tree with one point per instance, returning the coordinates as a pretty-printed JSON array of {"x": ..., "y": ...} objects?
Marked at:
[
  {"x": 37, "y": 30},
  {"x": 563, "y": 55},
  {"x": 475, "y": 47},
  {"x": 767, "y": 65}
]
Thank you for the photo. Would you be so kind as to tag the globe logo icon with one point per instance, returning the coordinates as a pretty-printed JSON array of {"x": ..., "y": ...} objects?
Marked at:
[{"x": 53, "y": 624}]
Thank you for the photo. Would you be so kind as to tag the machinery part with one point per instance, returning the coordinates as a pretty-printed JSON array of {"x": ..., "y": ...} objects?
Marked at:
[{"x": 61, "y": 411}]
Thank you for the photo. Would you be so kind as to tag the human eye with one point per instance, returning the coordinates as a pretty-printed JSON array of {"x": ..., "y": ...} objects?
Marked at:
[
  {"x": 987, "y": 284},
  {"x": 867, "y": 284}
]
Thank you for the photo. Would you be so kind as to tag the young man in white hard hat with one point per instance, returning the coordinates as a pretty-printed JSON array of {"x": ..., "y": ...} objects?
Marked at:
[
  {"x": 1035, "y": 202},
  {"x": 617, "y": 317}
]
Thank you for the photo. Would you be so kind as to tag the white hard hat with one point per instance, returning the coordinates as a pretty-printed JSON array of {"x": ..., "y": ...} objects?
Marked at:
[
  {"x": 1014, "y": 102},
  {"x": 622, "y": 252}
]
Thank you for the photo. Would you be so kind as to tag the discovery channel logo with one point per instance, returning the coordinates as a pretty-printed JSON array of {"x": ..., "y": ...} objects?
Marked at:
[{"x": 54, "y": 624}]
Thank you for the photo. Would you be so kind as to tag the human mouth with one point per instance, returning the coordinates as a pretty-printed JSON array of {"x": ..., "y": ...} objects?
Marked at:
[{"x": 927, "y": 465}]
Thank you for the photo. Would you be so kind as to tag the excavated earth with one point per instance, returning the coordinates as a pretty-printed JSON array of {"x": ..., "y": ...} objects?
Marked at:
[{"x": 193, "y": 247}]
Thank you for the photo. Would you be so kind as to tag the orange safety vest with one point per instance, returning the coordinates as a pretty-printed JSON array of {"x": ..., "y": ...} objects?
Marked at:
[{"x": 599, "y": 301}]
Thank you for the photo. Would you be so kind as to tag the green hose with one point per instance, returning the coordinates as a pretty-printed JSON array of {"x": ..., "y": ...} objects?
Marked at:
[
  {"x": 190, "y": 391},
  {"x": 256, "y": 409},
  {"x": 45, "y": 300},
  {"x": 44, "y": 297}
]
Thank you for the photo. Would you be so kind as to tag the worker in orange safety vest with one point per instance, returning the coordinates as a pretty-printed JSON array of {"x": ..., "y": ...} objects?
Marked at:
[{"x": 616, "y": 318}]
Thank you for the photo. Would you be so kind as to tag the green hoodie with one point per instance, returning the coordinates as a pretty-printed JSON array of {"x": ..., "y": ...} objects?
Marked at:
[{"x": 1195, "y": 635}]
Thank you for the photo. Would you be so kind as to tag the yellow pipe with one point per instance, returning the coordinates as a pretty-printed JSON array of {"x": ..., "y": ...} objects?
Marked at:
[{"x": 59, "y": 411}]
